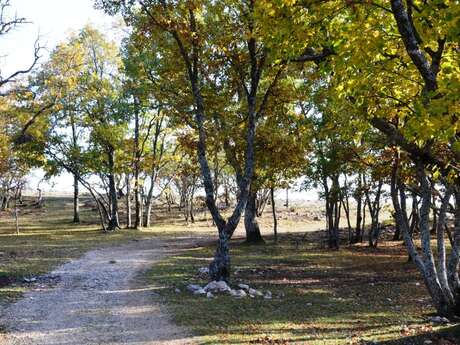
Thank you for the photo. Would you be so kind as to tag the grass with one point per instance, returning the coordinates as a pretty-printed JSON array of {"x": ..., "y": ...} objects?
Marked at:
[
  {"x": 352, "y": 296},
  {"x": 48, "y": 238}
]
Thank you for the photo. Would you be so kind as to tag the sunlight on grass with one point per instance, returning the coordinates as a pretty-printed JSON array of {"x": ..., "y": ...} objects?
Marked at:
[{"x": 349, "y": 296}]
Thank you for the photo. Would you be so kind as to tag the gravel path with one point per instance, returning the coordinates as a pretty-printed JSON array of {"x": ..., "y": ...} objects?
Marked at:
[{"x": 98, "y": 299}]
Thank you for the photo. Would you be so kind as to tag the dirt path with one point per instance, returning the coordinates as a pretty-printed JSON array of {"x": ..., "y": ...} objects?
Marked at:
[{"x": 99, "y": 299}]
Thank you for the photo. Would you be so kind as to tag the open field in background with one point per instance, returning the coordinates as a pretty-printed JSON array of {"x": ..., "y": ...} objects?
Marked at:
[{"x": 352, "y": 296}]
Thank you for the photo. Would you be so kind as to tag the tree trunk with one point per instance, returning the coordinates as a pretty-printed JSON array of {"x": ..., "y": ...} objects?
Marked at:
[
  {"x": 76, "y": 196},
  {"x": 374, "y": 210},
  {"x": 333, "y": 207},
  {"x": 16, "y": 216},
  {"x": 137, "y": 162},
  {"x": 76, "y": 201},
  {"x": 443, "y": 290},
  {"x": 148, "y": 210},
  {"x": 287, "y": 198},
  {"x": 128, "y": 203},
  {"x": 226, "y": 195},
  {"x": 359, "y": 217},
  {"x": 113, "y": 196},
  {"x": 275, "y": 220},
  {"x": 219, "y": 269},
  {"x": 253, "y": 235}
]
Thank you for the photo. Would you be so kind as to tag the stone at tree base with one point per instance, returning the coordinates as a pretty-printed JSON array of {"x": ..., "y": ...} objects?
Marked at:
[
  {"x": 200, "y": 291},
  {"x": 238, "y": 293},
  {"x": 193, "y": 287},
  {"x": 245, "y": 287},
  {"x": 219, "y": 286},
  {"x": 254, "y": 292}
]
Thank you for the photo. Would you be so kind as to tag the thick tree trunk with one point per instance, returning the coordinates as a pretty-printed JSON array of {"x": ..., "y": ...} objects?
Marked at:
[
  {"x": 219, "y": 269},
  {"x": 76, "y": 200},
  {"x": 253, "y": 235}
]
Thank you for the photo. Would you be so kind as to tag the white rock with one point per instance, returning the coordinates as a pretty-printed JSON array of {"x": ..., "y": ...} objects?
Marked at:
[
  {"x": 268, "y": 295},
  {"x": 245, "y": 287},
  {"x": 176, "y": 290},
  {"x": 193, "y": 287},
  {"x": 219, "y": 286},
  {"x": 309, "y": 304},
  {"x": 428, "y": 342},
  {"x": 201, "y": 291},
  {"x": 223, "y": 286},
  {"x": 238, "y": 293},
  {"x": 254, "y": 292},
  {"x": 209, "y": 295}
]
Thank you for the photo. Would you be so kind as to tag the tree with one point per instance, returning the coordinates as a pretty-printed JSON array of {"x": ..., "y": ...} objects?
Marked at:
[
  {"x": 83, "y": 117},
  {"x": 9, "y": 23},
  {"x": 413, "y": 100},
  {"x": 183, "y": 28}
]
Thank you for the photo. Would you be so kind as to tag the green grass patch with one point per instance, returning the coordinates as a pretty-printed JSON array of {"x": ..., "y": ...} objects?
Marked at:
[{"x": 352, "y": 296}]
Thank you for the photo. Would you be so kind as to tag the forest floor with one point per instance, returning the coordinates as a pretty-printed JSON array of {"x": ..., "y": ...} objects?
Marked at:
[{"x": 355, "y": 295}]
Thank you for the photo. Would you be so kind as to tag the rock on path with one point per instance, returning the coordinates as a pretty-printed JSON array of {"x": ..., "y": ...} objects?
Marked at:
[{"x": 98, "y": 300}]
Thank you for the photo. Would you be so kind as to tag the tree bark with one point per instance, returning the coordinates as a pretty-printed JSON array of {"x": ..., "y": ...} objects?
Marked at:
[
  {"x": 253, "y": 235},
  {"x": 76, "y": 200},
  {"x": 359, "y": 217},
  {"x": 113, "y": 195},
  {"x": 275, "y": 220},
  {"x": 137, "y": 162},
  {"x": 128, "y": 203}
]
